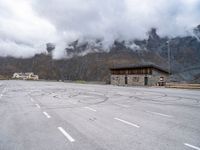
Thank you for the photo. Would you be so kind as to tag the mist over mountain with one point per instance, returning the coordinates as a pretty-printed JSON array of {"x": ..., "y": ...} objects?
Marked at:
[
  {"x": 26, "y": 26},
  {"x": 91, "y": 62}
]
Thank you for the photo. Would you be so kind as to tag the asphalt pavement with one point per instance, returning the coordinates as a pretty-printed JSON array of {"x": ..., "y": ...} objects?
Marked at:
[{"x": 39, "y": 115}]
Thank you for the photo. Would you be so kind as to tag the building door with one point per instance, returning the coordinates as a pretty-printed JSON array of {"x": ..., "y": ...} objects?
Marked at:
[
  {"x": 126, "y": 80},
  {"x": 145, "y": 80}
]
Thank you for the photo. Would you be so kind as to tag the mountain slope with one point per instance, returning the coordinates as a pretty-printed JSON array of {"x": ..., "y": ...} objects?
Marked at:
[{"x": 91, "y": 61}]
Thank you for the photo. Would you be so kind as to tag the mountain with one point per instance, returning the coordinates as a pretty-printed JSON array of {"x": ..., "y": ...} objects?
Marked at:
[
  {"x": 184, "y": 53},
  {"x": 91, "y": 67},
  {"x": 90, "y": 60}
]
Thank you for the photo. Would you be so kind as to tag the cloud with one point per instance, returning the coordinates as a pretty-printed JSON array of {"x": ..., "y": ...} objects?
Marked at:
[
  {"x": 11, "y": 48},
  {"x": 22, "y": 31},
  {"x": 36, "y": 22},
  {"x": 121, "y": 18}
]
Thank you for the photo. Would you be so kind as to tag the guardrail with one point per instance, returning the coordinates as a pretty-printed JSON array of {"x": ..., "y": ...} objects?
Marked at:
[{"x": 182, "y": 85}]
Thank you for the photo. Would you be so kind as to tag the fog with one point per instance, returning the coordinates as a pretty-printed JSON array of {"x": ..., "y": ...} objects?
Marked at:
[{"x": 27, "y": 25}]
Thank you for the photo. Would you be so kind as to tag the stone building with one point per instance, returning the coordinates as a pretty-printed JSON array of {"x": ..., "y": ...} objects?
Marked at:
[{"x": 139, "y": 75}]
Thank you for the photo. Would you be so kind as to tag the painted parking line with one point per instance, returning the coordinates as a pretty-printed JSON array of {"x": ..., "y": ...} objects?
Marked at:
[
  {"x": 4, "y": 90},
  {"x": 121, "y": 105},
  {"x": 192, "y": 146},
  {"x": 160, "y": 114},
  {"x": 72, "y": 102},
  {"x": 66, "y": 134},
  {"x": 90, "y": 108},
  {"x": 32, "y": 100},
  {"x": 126, "y": 122},
  {"x": 37, "y": 105},
  {"x": 46, "y": 114}
]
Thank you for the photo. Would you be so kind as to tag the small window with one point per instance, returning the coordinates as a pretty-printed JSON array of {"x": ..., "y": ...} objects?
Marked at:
[{"x": 161, "y": 79}]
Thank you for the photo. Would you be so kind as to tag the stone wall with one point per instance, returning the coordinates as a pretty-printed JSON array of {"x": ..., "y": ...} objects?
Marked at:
[
  {"x": 117, "y": 79},
  {"x": 138, "y": 80}
]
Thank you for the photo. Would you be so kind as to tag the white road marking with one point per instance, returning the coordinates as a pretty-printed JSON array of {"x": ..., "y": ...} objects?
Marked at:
[
  {"x": 32, "y": 100},
  {"x": 90, "y": 108},
  {"x": 66, "y": 134},
  {"x": 156, "y": 113},
  {"x": 2, "y": 93},
  {"x": 192, "y": 146},
  {"x": 46, "y": 114},
  {"x": 4, "y": 90},
  {"x": 126, "y": 106},
  {"x": 37, "y": 105},
  {"x": 72, "y": 102},
  {"x": 126, "y": 122}
]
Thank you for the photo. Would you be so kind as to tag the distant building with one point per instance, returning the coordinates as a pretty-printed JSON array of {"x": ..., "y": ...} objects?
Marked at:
[
  {"x": 25, "y": 76},
  {"x": 139, "y": 75}
]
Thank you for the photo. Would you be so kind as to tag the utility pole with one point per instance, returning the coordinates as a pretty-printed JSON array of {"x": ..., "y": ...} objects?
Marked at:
[{"x": 169, "y": 56}]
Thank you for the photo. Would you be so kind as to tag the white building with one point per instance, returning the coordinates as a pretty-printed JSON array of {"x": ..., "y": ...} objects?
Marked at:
[{"x": 25, "y": 76}]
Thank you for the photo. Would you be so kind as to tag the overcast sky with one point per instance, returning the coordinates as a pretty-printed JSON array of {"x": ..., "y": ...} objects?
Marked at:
[{"x": 26, "y": 25}]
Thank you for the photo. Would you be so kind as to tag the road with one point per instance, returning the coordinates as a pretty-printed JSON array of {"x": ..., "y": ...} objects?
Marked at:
[{"x": 68, "y": 116}]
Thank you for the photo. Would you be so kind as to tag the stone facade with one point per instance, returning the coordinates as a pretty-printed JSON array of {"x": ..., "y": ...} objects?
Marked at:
[{"x": 154, "y": 78}]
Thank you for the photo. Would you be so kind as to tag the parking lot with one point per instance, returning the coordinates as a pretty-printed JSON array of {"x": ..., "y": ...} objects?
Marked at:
[{"x": 56, "y": 116}]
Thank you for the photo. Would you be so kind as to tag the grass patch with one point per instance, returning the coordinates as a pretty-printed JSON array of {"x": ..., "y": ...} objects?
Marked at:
[{"x": 80, "y": 81}]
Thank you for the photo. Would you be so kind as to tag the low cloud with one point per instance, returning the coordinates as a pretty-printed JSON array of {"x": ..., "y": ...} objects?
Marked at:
[{"x": 26, "y": 26}]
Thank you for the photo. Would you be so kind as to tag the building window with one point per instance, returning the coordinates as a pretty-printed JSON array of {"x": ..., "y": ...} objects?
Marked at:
[{"x": 161, "y": 79}]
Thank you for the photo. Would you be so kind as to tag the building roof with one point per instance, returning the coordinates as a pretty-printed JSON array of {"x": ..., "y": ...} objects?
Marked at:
[{"x": 139, "y": 66}]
